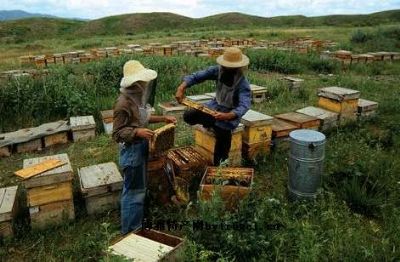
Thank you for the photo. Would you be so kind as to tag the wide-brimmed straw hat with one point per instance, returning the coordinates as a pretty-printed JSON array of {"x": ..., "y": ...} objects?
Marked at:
[
  {"x": 233, "y": 58},
  {"x": 134, "y": 71}
]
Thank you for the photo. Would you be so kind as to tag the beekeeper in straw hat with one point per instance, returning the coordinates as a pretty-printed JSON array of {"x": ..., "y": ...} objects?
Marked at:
[
  {"x": 232, "y": 99},
  {"x": 131, "y": 116}
]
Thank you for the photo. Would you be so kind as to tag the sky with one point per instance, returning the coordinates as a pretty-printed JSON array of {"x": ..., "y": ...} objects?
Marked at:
[{"x": 92, "y": 9}]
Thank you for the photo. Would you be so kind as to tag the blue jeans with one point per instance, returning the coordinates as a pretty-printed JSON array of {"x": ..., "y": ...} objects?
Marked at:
[{"x": 133, "y": 160}]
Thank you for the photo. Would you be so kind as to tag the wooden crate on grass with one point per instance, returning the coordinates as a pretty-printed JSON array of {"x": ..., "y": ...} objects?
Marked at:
[
  {"x": 5, "y": 151},
  {"x": 258, "y": 93},
  {"x": 49, "y": 194},
  {"x": 300, "y": 120},
  {"x": 294, "y": 84},
  {"x": 366, "y": 108},
  {"x": 328, "y": 118},
  {"x": 148, "y": 245},
  {"x": 83, "y": 128},
  {"x": 8, "y": 210},
  {"x": 29, "y": 146},
  {"x": 233, "y": 184},
  {"x": 101, "y": 187},
  {"x": 280, "y": 132}
]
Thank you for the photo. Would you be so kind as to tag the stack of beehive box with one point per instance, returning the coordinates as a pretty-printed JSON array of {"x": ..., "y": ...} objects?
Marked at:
[
  {"x": 158, "y": 182},
  {"x": 83, "y": 128},
  {"x": 8, "y": 210},
  {"x": 340, "y": 100},
  {"x": 49, "y": 194},
  {"x": 257, "y": 134},
  {"x": 101, "y": 187},
  {"x": 187, "y": 161},
  {"x": 205, "y": 144},
  {"x": 258, "y": 93},
  {"x": 343, "y": 56}
]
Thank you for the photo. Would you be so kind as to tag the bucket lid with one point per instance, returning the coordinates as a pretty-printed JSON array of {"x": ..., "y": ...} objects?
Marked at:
[{"x": 306, "y": 135}]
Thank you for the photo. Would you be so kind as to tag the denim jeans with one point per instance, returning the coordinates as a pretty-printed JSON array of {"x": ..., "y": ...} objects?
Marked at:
[{"x": 133, "y": 161}]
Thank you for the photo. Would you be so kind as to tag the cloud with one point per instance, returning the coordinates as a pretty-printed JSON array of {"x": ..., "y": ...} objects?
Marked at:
[{"x": 199, "y": 8}]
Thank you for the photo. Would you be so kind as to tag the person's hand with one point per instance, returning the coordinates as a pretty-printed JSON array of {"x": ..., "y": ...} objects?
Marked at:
[
  {"x": 170, "y": 120},
  {"x": 224, "y": 116},
  {"x": 144, "y": 133},
  {"x": 180, "y": 93}
]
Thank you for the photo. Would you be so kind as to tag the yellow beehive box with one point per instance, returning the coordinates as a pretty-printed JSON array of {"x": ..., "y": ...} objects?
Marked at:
[
  {"x": 338, "y": 99},
  {"x": 206, "y": 139},
  {"x": 257, "y": 127},
  {"x": 343, "y": 107}
]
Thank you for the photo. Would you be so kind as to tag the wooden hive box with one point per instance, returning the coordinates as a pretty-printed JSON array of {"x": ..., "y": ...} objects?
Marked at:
[
  {"x": 300, "y": 120},
  {"x": 5, "y": 151},
  {"x": 200, "y": 98},
  {"x": 281, "y": 128},
  {"x": 55, "y": 139},
  {"x": 108, "y": 117},
  {"x": 341, "y": 100},
  {"x": 83, "y": 128},
  {"x": 40, "y": 61},
  {"x": 257, "y": 127},
  {"x": 29, "y": 146},
  {"x": 294, "y": 83},
  {"x": 366, "y": 107},
  {"x": 233, "y": 184},
  {"x": 101, "y": 187},
  {"x": 328, "y": 118},
  {"x": 49, "y": 194},
  {"x": 258, "y": 93},
  {"x": 187, "y": 161},
  {"x": 148, "y": 246},
  {"x": 172, "y": 109},
  {"x": 8, "y": 210},
  {"x": 205, "y": 143}
]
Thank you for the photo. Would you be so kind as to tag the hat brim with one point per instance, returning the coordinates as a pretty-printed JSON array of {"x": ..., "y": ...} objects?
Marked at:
[
  {"x": 145, "y": 75},
  {"x": 244, "y": 62}
]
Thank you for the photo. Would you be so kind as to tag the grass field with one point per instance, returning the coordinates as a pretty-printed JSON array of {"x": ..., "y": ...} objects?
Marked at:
[{"x": 357, "y": 213}]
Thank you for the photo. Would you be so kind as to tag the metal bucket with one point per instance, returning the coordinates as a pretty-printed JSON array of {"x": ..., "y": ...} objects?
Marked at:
[{"x": 306, "y": 158}]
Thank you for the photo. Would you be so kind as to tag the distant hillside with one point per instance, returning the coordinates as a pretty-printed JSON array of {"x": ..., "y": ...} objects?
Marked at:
[
  {"x": 129, "y": 24},
  {"x": 18, "y": 14}
]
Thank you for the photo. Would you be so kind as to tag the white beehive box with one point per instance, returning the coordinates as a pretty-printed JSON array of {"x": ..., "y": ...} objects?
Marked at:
[
  {"x": 83, "y": 128},
  {"x": 328, "y": 118},
  {"x": 258, "y": 93},
  {"x": 8, "y": 207},
  {"x": 200, "y": 98},
  {"x": 101, "y": 187}
]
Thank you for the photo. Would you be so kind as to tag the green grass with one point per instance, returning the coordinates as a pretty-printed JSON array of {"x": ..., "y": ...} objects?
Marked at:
[{"x": 355, "y": 217}]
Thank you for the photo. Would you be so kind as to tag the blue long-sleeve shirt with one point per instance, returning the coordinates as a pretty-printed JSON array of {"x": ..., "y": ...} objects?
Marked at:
[{"x": 243, "y": 94}]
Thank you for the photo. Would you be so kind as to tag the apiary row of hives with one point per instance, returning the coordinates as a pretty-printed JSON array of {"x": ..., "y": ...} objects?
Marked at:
[
  {"x": 300, "y": 44},
  {"x": 348, "y": 58},
  {"x": 33, "y": 139},
  {"x": 49, "y": 191}
]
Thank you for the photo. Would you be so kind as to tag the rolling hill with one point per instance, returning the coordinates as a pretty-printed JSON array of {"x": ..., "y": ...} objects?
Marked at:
[
  {"x": 129, "y": 24},
  {"x": 18, "y": 14}
]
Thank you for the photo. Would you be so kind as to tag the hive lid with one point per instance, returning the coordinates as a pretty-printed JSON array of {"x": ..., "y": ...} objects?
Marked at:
[
  {"x": 307, "y": 136},
  {"x": 367, "y": 105},
  {"x": 318, "y": 112},
  {"x": 53, "y": 176},
  {"x": 339, "y": 93},
  {"x": 7, "y": 201},
  {"x": 295, "y": 117},
  {"x": 257, "y": 88},
  {"x": 95, "y": 176},
  {"x": 82, "y": 122},
  {"x": 252, "y": 118},
  {"x": 293, "y": 79}
]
